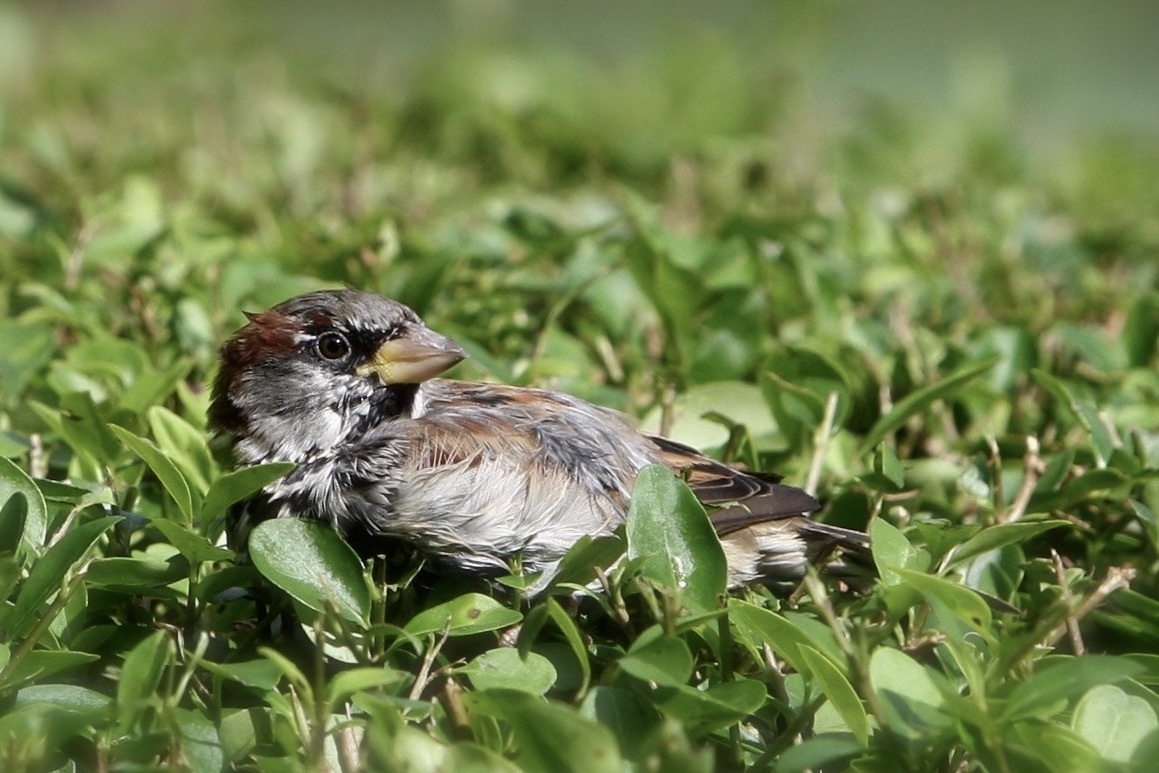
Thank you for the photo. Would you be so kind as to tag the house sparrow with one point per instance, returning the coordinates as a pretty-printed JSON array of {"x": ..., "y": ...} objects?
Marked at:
[{"x": 343, "y": 383}]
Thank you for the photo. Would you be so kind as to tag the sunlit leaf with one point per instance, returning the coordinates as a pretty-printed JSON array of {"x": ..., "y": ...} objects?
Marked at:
[
  {"x": 462, "y": 616},
  {"x": 920, "y": 399},
  {"x": 313, "y": 564},
  {"x": 669, "y": 530}
]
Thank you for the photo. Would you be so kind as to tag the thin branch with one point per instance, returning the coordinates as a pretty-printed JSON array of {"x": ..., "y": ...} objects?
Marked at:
[
  {"x": 1118, "y": 577},
  {"x": 1072, "y": 625},
  {"x": 1033, "y": 468},
  {"x": 349, "y": 757},
  {"x": 821, "y": 444},
  {"x": 424, "y": 674},
  {"x": 998, "y": 495}
]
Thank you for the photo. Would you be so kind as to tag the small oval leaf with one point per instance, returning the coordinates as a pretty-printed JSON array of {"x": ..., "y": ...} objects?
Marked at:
[
  {"x": 664, "y": 660},
  {"x": 240, "y": 484},
  {"x": 918, "y": 401},
  {"x": 669, "y": 530},
  {"x": 313, "y": 564},
  {"x": 49, "y": 572},
  {"x": 171, "y": 478},
  {"x": 505, "y": 668},
  {"x": 468, "y": 614},
  {"x": 12, "y": 480}
]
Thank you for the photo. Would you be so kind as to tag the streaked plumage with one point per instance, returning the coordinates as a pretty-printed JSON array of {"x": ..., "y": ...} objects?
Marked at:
[{"x": 473, "y": 475}]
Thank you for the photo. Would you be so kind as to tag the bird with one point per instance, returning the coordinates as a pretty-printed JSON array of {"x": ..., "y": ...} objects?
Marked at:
[{"x": 474, "y": 476}]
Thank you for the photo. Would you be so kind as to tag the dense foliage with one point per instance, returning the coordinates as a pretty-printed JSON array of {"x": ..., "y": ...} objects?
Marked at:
[{"x": 954, "y": 346}]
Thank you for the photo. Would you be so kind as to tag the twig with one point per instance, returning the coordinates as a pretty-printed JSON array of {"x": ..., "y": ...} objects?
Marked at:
[
  {"x": 667, "y": 405},
  {"x": 349, "y": 758},
  {"x": 424, "y": 674},
  {"x": 1072, "y": 625},
  {"x": 299, "y": 717},
  {"x": 1112, "y": 430},
  {"x": 37, "y": 462},
  {"x": 997, "y": 494},
  {"x": 776, "y": 675},
  {"x": 320, "y": 704},
  {"x": 76, "y": 255},
  {"x": 616, "y": 600},
  {"x": 38, "y": 630},
  {"x": 1118, "y": 577},
  {"x": 821, "y": 598},
  {"x": 452, "y": 700},
  {"x": 821, "y": 444},
  {"x": 1032, "y": 464}
]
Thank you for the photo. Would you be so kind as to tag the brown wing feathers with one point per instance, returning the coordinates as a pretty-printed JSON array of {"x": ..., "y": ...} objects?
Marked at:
[{"x": 757, "y": 497}]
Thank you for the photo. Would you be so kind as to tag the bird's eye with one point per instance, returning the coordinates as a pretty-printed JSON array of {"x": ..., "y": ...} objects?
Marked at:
[{"x": 333, "y": 346}]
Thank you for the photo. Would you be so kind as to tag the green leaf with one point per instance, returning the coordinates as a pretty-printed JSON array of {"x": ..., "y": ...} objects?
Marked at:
[
  {"x": 13, "y": 480},
  {"x": 70, "y": 697},
  {"x": 504, "y": 667},
  {"x": 346, "y": 683},
  {"x": 818, "y": 753},
  {"x": 907, "y": 693},
  {"x": 239, "y": 731},
  {"x": 579, "y": 563},
  {"x": 1083, "y": 413},
  {"x": 760, "y": 626},
  {"x": 669, "y": 531},
  {"x": 468, "y": 614},
  {"x": 183, "y": 444},
  {"x": 1062, "y": 679},
  {"x": 1057, "y": 747},
  {"x": 141, "y": 675},
  {"x": 549, "y": 736},
  {"x": 240, "y": 484},
  {"x": 891, "y": 550},
  {"x": 192, "y": 545},
  {"x": 84, "y": 428},
  {"x": 201, "y": 747},
  {"x": 571, "y": 633},
  {"x": 139, "y": 571},
  {"x": 920, "y": 400},
  {"x": 628, "y": 713},
  {"x": 27, "y": 347},
  {"x": 13, "y": 516},
  {"x": 1115, "y": 723},
  {"x": 839, "y": 691},
  {"x": 39, "y": 664},
  {"x": 313, "y": 564},
  {"x": 49, "y": 572},
  {"x": 289, "y": 670},
  {"x": 1141, "y": 330},
  {"x": 153, "y": 386},
  {"x": 166, "y": 472},
  {"x": 888, "y": 467},
  {"x": 393, "y": 745},
  {"x": 718, "y": 706},
  {"x": 995, "y": 537},
  {"x": 698, "y": 413},
  {"x": 664, "y": 660},
  {"x": 963, "y": 602},
  {"x": 260, "y": 675}
]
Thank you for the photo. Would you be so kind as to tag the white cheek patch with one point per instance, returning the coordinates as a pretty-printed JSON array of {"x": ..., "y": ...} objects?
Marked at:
[{"x": 418, "y": 406}]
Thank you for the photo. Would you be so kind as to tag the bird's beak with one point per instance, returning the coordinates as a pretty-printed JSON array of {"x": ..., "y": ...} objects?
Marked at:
[{"x": 413, "y": 358}]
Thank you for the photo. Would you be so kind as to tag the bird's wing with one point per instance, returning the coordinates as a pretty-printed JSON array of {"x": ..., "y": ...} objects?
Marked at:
[
  {"x": 492, "y": 471},
  {"x": 744, "y": 498}
]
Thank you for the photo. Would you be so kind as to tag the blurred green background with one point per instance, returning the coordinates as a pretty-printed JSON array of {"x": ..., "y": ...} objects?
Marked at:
[
  {"x": 909, "y": 251},
  {"x": 1047, "y": 74},
  {"x": 204, "y": 158}
]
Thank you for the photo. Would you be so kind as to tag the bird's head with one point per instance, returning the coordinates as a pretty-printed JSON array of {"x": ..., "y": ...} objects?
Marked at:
[{"x": 299, "y": 378}]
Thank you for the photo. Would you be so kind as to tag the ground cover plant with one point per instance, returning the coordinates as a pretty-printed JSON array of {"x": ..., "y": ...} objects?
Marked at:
[{"x": 953, "y": 346}]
